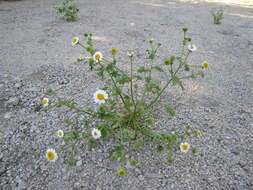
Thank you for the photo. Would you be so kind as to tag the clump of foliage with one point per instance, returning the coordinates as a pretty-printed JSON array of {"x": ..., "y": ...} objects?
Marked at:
[
  {"x": 217, "y": 15},
  {"x": 126, "y": 103},
  {"x": 68, "y": 10}
]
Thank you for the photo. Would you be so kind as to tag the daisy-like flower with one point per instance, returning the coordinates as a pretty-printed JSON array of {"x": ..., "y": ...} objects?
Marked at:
[
  {"x": 96, "y": 134},
  {"x": 192, "y": 47},
  {"x": 100, "y": 96},
  {"x": 60, "y": 133},
  {"x": 184, "y": 147},
  {"x": 199, "y": 133},
  {"x": 51, "y": 155},
  {"x": 205, "y": 65},
  {"x": 98, "y": 56},
  {"x": 130, "y": 53},
  {"x": 74, "y": 41},
  {"x": 114, "y": 51},
  {"x": 150, "y": 40},
  {"x": 45, "y": 101},
  {"x": 121, "y": 172}
]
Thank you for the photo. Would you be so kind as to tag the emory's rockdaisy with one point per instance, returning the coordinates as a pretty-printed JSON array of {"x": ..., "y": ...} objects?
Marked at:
[
  {"x": 51, "y": 155},
  {"x": 44, "y": 101},
  {"x": 192, "y": 47},
  {"x": 96, "y": 134},
  {"x": 184, "y": 147},
  {"x": 98, "y": 56},
  {"x": 60, "y": 133},
  {"x": 100, "y": 96},
  {"x": 205, "y": 65},
  {"x": 121, "y": 172},
  {"x": 74, "y": 41}
]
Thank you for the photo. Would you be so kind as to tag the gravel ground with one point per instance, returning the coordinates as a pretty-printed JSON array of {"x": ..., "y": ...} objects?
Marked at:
[{"x": 35, "y": 53}]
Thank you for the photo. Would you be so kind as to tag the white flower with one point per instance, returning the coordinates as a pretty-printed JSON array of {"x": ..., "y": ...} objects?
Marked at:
[
  {"x": 100, "y": 96},
  {"x": 45, "y": 101},
  {"x": 184, "y": 147},
  {"x": 60, "y": 133},
  {"x": 98, "y": 56},
  {"x": 74, "y": 41},
  {"x": 51, "y": 155},
  {"x": 96, "y": 134},
  {"x": 192, "y": 47}
]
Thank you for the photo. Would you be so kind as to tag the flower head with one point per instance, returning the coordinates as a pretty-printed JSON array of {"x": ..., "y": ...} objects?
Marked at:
[
  {"x": 96, "y": 134},
  {"x": 113, "y": 51},
  {"x": 100, "y": 96},
  {"x": 130, "y": 53},
  {"x": 205, "y": 65},
  {"x": 192, "y": 47},
  {"x": 45, "y": 101},
  {"x": 184, "y": 147},
  {"x": 74, "y": 41},
  {"x": 60, "y": 133},
  {"x": 185, "y": 29},
  {"x": 51, "y": 155},
  {"x": 121, "y": 172},
  {"x": 199, "y": 133},
  {"x": 98, "y": 56},
  {"x": 150, "y": 40}
]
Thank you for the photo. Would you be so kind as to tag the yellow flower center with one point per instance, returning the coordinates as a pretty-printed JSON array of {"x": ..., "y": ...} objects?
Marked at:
[
  {"x": 205, "y": 65},
  {"x": 97, "y": 56},
  {"x": 121, "y": 172},
  {"x": 74, "y": 40},
  {"x": 95, "y": 134},
  {"x": 185, "y": 147},
  {"x": 50, "y": 156},
  {"x": 100, "y": 96},
  {"x": 59, "y": 133},
  {"x": 44, "y": 101}
]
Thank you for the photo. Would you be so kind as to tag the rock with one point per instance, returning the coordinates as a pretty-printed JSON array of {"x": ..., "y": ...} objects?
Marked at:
[
  {"x": 18, "y": 85},
  {"x": 13, "y": 101},
  {"x": 77, "y": 185},
  {"x": 7, "y": 115},
  {"x": 79, "y": 163},
  {"x": 141, "y": 177}
]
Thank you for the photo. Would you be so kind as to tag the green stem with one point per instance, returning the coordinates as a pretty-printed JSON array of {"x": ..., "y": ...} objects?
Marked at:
[
  {"x": 115, "y": 85},
  {"x": 81, "y": 45},
  {"x": 167, "y": 84},
  {"x": 131, "y": 83}
]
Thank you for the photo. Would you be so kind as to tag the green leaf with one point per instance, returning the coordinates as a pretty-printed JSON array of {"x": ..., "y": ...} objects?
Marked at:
[
  {"x": 193, "y": 150},
  {"x": 138, "y": 143},
  {"x": 158, "y": 68},
  {"x": 92, "y": 143},
  {"x": 170, "y": 110},
  {"x": 133, "y": 163},
  {"x": 159, "y": 148},
  {"x": 177, "y": 81},
  {"x": 71, "y": 163},
  {"x": 143, "y": 70}
]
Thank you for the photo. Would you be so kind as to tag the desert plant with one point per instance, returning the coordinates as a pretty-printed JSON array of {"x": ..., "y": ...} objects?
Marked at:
[
  {"x": 126, "y": 103},
  {"x": 217, "y": 15},
  {"x": 68, "y": 10}
]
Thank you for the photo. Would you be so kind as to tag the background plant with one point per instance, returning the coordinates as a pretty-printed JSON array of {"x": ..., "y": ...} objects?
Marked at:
[
  {"x": 217, "y": 15},
  {"x": 127, "y": 101},
  {"x": 68, "y": 10}
]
